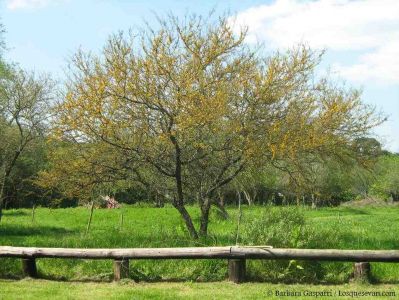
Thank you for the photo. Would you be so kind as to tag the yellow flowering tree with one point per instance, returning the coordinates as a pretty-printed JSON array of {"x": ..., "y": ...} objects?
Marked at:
[{"x": 187, "y": 107}]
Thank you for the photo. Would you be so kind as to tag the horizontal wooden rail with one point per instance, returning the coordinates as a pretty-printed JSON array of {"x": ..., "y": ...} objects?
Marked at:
[
  {"x": 231, "y": 252},
  {"x": 236, "y": 256}
]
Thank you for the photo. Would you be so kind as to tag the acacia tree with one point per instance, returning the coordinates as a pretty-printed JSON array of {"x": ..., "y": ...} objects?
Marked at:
[
  {"x": 187, "y": 107},
  {"x": 24, "y": 108}
]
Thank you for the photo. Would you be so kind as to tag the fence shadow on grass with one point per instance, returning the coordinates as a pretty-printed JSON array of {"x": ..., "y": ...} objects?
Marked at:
[
  {"x": 14, "y": 213},
  {"x": 365, "y": 242},
  {"x": 353, "y": 211},
  {"x": 18, "y": 230}
]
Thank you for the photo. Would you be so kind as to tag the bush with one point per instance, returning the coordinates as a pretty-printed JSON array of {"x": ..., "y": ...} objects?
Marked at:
[
  {"x": 280, "y": 228},
  {"x": 286, "y": 228}
]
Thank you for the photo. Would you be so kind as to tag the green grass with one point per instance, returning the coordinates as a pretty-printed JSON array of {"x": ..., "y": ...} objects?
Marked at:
[
  {"x": 42, "y": 289},
  {"x": 348, "y": 228}
]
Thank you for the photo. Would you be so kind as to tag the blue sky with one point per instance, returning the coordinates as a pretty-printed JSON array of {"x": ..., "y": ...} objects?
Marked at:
[{"x": 361, "y": 36}]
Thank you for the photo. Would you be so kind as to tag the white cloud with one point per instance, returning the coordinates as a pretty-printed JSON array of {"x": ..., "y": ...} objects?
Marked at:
[
  {"x": 380, "y": 65},
  {"x": 370, "y": 27},
  {"x": 29, "y": 4}
]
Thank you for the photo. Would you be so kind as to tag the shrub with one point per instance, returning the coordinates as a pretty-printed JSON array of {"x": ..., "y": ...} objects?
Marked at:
[
  {"x": 280, "y": 228},
  {"x": 286, "y": 228}
]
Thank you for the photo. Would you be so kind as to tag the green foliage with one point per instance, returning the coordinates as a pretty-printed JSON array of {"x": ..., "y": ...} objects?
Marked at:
[
  {"x": 278, "y": 227},
  {"x": 4, "y": 67},
  {"x": 287, "y": 228},
  {"x": 387, "y": 177}
]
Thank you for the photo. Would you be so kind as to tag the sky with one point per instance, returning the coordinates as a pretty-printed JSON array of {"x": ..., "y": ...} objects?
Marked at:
[{"x": 361, "y": 37}]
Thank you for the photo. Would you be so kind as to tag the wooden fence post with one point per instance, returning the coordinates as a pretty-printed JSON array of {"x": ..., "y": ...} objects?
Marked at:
[
  {"x": 29, "y": 267},
  {"x": 121, "y": 269},
  {"x": 91, "y": 217},
  {"x": 361, "y": 271},
  {"x": 236, "y": 270}
]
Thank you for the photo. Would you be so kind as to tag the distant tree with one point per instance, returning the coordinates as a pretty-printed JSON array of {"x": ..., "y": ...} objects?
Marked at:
[
  {"x": 4, "y": 68},
  {"x": 186, "y": 108},
  {"x": 387, "y": 177},
  {"x": 20, "y": 189},
  {"x": 87, "y": 171},
  {"x": 24, "y": 109}
]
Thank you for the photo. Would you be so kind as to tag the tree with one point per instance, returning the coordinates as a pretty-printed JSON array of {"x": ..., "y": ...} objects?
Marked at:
[
  {"x": 21, "y": 189},
  {"x": 186, "y": 108},
  {"x": 24, "y": 108},
  {"x": 387, "y": 177},
  {"x": 327, "y": 177},
  {"x": 4, "y": 68}
]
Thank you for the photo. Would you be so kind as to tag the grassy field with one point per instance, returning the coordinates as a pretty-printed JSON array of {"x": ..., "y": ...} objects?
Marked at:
[
  {"x": 42, "y": 289},
  {"x": 342, "y": 227}
]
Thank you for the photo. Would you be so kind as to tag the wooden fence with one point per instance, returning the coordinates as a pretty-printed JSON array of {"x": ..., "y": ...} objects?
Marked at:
[{"x": 236, "y": 256}]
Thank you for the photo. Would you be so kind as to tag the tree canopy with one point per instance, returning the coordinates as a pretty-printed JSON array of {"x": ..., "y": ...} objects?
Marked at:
[
  {"x": 185, "y": 108},
  {"x": 24, "y": 108}
]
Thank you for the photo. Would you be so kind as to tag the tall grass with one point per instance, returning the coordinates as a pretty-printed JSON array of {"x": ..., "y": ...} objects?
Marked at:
[{"x": 345, "y": 228}]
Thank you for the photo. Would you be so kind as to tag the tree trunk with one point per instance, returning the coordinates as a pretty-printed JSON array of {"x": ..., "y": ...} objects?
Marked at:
[
  {"x": 205, "y": 208},
  {"x": 187, "y": 219},
  {"x": 158, "y": 202},
  {"x": 247, "y": 197},
  {"x": 2, "y": 197},
  {"x": 220, "y": 206},
  {"x": 179, "y": 205},
  {"x": 1, "y": 205},
  {"x": 313, "y": 202},
  {"x": 255, "y": 195},
  {"x": 6, "y": 173},
  {"x": 179, "y": 202}
]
